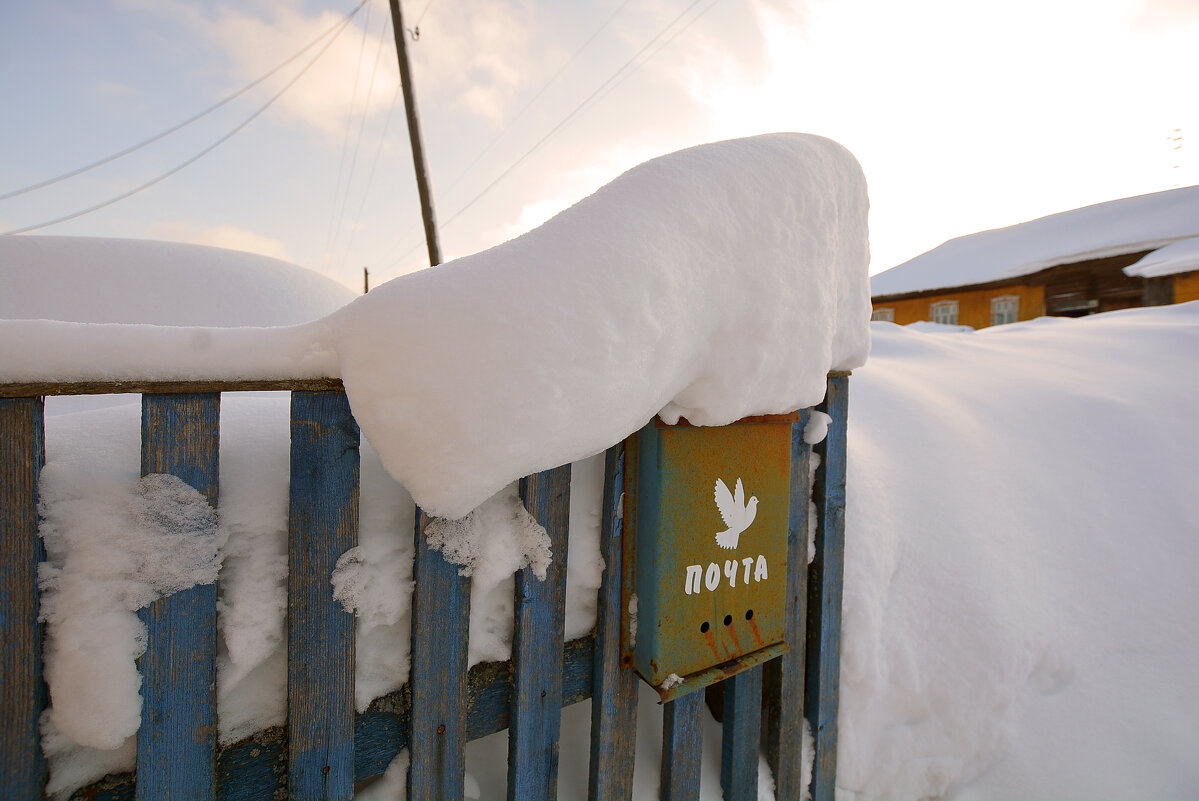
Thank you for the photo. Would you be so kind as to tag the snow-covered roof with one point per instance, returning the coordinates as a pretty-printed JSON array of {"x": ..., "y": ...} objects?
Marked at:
[
  {"x": 1180, "y": 257},
  {"x": 101, "y": 280},
  {"x": 1144, "y": 222}
]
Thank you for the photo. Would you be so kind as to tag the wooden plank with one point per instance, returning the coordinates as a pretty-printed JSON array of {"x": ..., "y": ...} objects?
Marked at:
[
  {"x": 741, "y": 736},
  {"x": 256, "y": 767},
  {"x": 176, "y": 744},
  {"x": 783, "y": 678},
  {"x": 440, "y": 627},
  {"x": 491, "y": 687},
  {"x": 380, "y": 733},
  {"x": 136, "y": 386},
  {"x": 614, "y": 695},
  {"x": 537, "y": 637},
  {"x": 322, "y": 525},
  {"x": 22, "y": 689},
  {"x": 821, "y": 696},
  {"x": 118, "y": 787},
  {"x": 382, "y": 730},
  {"x": 682, "y": 747}
]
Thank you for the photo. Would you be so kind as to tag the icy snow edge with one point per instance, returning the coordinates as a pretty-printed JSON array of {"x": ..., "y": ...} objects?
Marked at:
[
  {"x": 718, "y": 282},
  {"x": 1180, "y": 257}
]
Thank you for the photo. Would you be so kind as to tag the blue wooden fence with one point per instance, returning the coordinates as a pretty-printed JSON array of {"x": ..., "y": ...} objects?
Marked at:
[{"x": 326, "y": 746}]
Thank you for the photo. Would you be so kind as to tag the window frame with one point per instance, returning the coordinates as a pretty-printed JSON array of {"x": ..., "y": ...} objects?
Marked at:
[
  {"x": 1014, "y": 300},
  {"x": 946, "y": 309}
]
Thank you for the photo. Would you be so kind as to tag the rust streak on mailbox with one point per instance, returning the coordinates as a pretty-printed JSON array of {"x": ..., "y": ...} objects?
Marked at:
[
  {"x": 753, "y": 627},
  {"x": 736, "y": 640},
  {"x": 710, "y": 639}
]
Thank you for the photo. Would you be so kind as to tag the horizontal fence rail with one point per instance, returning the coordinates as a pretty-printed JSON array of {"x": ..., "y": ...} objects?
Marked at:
[{"x": 325, "y": 747}]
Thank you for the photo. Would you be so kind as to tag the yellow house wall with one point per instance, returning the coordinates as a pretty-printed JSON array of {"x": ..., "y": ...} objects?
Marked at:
[
  {"x": 1186, "y": 287},
  {"x": 974, "y": 307}
]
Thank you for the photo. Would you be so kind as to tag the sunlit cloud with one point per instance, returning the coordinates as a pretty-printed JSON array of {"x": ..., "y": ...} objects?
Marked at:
[
  {"x": 473, "y": 55},
  {"x": 478, "y": 54},
  {"x": 1166, "y": 14},
  {"x": 564, "y": 187},
  {"x": 257, "y": 37},
  {"x": 337, "y": 85}
]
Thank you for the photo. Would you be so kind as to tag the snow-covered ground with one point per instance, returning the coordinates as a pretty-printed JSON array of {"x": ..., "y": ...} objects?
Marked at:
[
  {"x": 1022, "y": 535},
  {"x": 1022, "y": 532}
]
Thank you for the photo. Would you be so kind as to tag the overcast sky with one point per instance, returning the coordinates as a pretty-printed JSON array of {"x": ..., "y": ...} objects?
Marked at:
[{"x": 964, "y": 115}]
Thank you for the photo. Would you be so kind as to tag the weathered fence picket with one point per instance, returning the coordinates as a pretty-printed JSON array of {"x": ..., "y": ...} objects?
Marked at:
[
  {"x": 440, "y": 628},
  {"x": 537, "y": 635},
  {"x": 783, "y": 678},
  {"x": 614, "y": 692},
  {"x": 741, "y": 730},
  {"x": 176, "y": 743},
  {"x": 682, "y": 747},
  {"x": 322, "y": 525},
  {"x": 325, "y": 747},
  {"x": 822, "y": 694},
  {"x": 22, "y": 691}
]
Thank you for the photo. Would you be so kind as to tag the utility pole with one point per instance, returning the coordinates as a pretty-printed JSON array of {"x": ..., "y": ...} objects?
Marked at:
[
  {"x": 418, "y": 152},
  {"x": 366, "y": 280}
]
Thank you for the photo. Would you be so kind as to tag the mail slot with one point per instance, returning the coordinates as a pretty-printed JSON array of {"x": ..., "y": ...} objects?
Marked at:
[{"x": 705, "y": 549}]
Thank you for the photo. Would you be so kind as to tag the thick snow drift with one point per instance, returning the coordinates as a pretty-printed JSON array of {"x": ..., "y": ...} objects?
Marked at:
[
  {"x": 714, "y": 283},
  {"x": 95, "y": 280},
  {"x": 718, "y": 282},
  {"x": 1106, "y": 229},
  {"x": 1022, "y": 533}
]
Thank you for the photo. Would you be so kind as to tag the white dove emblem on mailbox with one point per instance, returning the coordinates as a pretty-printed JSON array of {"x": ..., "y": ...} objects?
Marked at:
[{"x": 736, "y": 513}]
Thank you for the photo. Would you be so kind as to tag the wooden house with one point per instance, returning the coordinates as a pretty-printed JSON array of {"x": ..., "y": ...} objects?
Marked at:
[{"x": 1139, "y": 251}]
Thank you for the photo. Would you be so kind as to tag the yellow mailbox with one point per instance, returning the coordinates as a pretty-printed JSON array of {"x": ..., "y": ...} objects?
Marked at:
[{"x": 705, "y": 538}]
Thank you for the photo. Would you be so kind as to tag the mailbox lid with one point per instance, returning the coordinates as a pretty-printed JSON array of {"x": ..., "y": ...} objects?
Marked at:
[{"x": 704, "y": 600}]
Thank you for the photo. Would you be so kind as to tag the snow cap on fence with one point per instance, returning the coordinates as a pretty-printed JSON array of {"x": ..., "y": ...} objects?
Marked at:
[{"x": 718, "y": 282}]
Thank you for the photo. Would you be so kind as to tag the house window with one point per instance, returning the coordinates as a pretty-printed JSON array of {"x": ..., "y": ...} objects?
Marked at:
[
  {"x": 944, "y": 312},
  {"x": 886, "y": 315},
  {"x": 1005, "y": 310}
]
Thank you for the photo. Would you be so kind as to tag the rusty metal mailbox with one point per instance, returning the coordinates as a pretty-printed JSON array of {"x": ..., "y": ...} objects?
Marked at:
[{"x": 705, "y": 549}]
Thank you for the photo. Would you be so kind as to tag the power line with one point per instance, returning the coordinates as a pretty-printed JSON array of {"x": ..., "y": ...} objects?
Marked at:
[
  {"x": 194, "y": 158},
  {"x": 657, "y": 50},
  {"x": 428, "y": 5},
  {"x": 465, "y": 170},
  {"x": 569, "y": 117},
  {"x": 370, "y": 91},
  {"x": 370, "y": 178},
  {"x": 345, "y": 142},
  {"x": 185, "y": 123}
]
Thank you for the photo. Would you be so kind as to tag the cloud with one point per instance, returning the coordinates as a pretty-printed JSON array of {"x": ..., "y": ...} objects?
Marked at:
[
  {"x": 254, "y": 38},
  {"x": 473, "y": 55},
  {"x": 221, "y": 236},
  {"x": 1162, "y": 15},
  {"x": 337, "y": 84},
  {"x": 479, "y": 53},
  {"x": 571, "y": 180}
]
